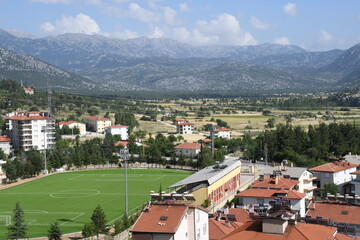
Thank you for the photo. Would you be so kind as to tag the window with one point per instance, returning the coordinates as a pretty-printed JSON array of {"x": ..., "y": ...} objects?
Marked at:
[
  {"x": 260, "y": 201},
  {"x": 198, "y": 233},
  {"x": 204, "y": 229},
  {"x": 327, "y": 175},
  {"x": 197, "y": 216}
]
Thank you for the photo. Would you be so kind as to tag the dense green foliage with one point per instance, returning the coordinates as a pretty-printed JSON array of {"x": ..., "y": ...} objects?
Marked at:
[{"x": 54, "y": 233}]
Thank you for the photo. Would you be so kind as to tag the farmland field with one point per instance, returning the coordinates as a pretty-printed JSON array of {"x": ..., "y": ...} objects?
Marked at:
[{"x": 69, "y": 198}]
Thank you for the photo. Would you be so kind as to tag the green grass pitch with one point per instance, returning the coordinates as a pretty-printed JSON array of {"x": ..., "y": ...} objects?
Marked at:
[{"x": 70, "y": 198}]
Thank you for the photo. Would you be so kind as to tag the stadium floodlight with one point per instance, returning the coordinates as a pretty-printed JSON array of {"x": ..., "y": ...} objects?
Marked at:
[{"x": 124, "y": 154}]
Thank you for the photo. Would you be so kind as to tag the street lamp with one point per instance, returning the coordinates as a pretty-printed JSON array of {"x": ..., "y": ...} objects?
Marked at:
[{"x": 124, "y": 154}]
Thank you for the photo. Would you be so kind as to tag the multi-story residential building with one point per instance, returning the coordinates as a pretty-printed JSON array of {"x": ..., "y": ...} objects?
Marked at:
[
  {"x": 354, "y": 185},
  {"x": 222, "y": 133},
  {"x": 337, "y": 172},
  {"x": 2, "y": 174},
  {"x": 30, "y": 130},
  {"x": 185, "y": 128},
  {"x": 303, "y": 175},
  {"x": 72, "y": 125},
  {"x": 121, "y": 130},
  {"x": 97, "y": 124},
  {"x": 171, "y": 220},
  {"x": 5, "y": 144},
  {"x": 188, "y": 149}
]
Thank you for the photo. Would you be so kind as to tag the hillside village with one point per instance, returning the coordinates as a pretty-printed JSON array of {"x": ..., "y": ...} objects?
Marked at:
[{"x": 228, "y": 196}]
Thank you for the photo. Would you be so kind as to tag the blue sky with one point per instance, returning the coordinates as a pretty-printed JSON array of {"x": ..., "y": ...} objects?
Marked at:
[{"x": 311, "y": 24}]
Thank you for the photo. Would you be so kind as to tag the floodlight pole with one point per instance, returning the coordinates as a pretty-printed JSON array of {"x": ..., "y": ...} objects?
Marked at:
[{"x": 124, "y": 154}]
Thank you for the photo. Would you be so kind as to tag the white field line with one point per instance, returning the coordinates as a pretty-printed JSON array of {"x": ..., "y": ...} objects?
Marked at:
[
  {"x": 77, "y": 175},
  {"x": 73, "y": 218},
  {"x": 113, "y": 221}
]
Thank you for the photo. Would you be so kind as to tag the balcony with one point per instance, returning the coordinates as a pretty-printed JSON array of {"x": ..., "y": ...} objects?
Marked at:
[
  {"x": 310, "y": 188},
  {"x": 310, "y": 179}
]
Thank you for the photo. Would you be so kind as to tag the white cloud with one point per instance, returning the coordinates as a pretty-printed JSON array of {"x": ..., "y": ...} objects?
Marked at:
[
  {"x": 324, "y": 36},
  {"x": 193, "y": 37},
  {"x": 227, "y": 29},
  {"x": 81, "y": 23},
  {"x": 169, "y": 15},
  {"x": 157, "y": 33},
  {"x": 142, "y": 14},
  {"x": 256, "y": 23},
  {"x": 54, "y": 1},
  {"x": 290, "y": 9},
  {"x": 282, "y": 40},
  {"x": 184, "y": 7}
]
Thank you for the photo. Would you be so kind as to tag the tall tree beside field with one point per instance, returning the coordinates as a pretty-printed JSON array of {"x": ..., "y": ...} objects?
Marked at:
[
  {"x": 18, "y": 228},
  {"x": 98, "y": 220},
  {"x": 127, "y": 119},
  {"x": 54, "y": 233}
]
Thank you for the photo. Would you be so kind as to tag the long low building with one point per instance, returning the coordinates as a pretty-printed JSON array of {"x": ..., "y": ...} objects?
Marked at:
[{"x": 214, "y": 183}]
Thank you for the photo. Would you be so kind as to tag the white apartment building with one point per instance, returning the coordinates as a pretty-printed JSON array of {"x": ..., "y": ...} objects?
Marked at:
[
  {"x": 166, "y": 221},
  {"x": 5, "y": 144},
  {"x": 2, "y": 174},
  {"x": 222, "y": 133},
  {"x": 355, "y": 184},
  {"x": 97, "y": 124},
  {"x": 121, "y": 130},
  {"x": 73, "y": 124},
  {"x": 185, "y": 128},
  {"x": 30, "y": 130},
  {"x": 337, "y": 172}
]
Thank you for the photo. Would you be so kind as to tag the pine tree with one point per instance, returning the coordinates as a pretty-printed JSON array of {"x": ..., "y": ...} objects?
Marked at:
[
  {"x": 54, "y": 233},
  {"x": 98, "y": 219},
  {"x": 18, "y": 229},
  {"x": 88, "y": 230}
]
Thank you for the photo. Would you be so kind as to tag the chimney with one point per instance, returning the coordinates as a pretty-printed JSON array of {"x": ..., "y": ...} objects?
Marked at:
[
  {"x": 227, "y": 223},
  {"x": 275, "y": 226},
  {"x": 277, "y": 180}
]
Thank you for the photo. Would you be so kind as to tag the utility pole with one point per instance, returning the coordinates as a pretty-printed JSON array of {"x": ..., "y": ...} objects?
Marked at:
[
  {"x": 47, "y": 121},
  {"x": 125, "y": 155},
  {"x": 212, "y": 141},
  {"x": 266, "y": 154}
]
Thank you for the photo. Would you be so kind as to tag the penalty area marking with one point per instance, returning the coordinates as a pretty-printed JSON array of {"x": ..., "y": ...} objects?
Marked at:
[{"x": 75, "y": 193}]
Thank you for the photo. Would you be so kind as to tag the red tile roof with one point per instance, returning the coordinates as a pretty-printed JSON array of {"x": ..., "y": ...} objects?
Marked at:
[
  {"x": 117, "y": 126},
  {"x": 150, "y": 222},
  {"x": 121, "y": 143},
  {"x": 333, "y": 167},
  {"x": 28, "y": 89},
  {"x": 185, "y": 123},
  {"x": 65, "y": 123},
  {"x": 273, "y": 183},
  {"x": 270, "y": 193},
  {"x": 24, "y": 117},
  {"x": 219, "y": 229},
  {"x": 356, "y": 172},
  {"x": 222, "y": 130},
  {"x": 253, "y": 230},
  {"x": 4, "y": 139},
  {"x": 97, "y": 118},
  {"x": 336, "y": 212},
  {"x": 241, "y": 215},
  {"x": 189, "y": 146}
]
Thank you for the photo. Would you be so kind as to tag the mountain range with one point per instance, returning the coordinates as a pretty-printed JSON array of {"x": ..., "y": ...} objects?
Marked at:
[{"x": 82, "y": 61}]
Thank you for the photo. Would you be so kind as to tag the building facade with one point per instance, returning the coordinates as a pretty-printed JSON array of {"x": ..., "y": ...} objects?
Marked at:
[
  {"x": 5, "y": 145},
  {"x": 97, "y": 124},
  {"x": 185, "y": 128},
  {"x": 170, "y": 221},
  {"x": 73, "y": 124},
  {"x": 121, "y": 130},
  {"x": 29, "y": 130},
  {"x": 189, "y": 150},
  {"x": 222, "y": 133}
]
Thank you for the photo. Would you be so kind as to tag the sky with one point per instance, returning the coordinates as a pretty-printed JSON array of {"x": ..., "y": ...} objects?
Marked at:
[{"x": 315, "y": 25}]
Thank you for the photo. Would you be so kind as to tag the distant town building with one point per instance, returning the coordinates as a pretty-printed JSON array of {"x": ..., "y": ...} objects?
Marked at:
[
  {"x": 222, "y": 133},
  {"x": 185, "y": 128},
  {"x": 337, "y": 172},
  {"x": 2, "y": 173},
  {"x": 190, "y": 150},
  {"x": 353, "y": 187},
  {"x": 121, "y": 130},
  {"x": 29, "y": 91},
  {"x": 72, "y": 125},
  {"x": 5, "y": 145},
  {"x": 355, "y": 159},
  {"x": 97, "y": 124},
  {"x": 171, "y": 220},
  {"x": 217, "y": 183},
  {"x": 30, "y": 130}
]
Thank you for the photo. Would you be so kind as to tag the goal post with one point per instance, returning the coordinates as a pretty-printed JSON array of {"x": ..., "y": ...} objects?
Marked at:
[{"x": 5, "y": 220}]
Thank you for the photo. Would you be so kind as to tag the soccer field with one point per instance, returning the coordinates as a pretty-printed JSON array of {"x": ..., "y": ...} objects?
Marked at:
[{"x": 69, "y": 198}]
